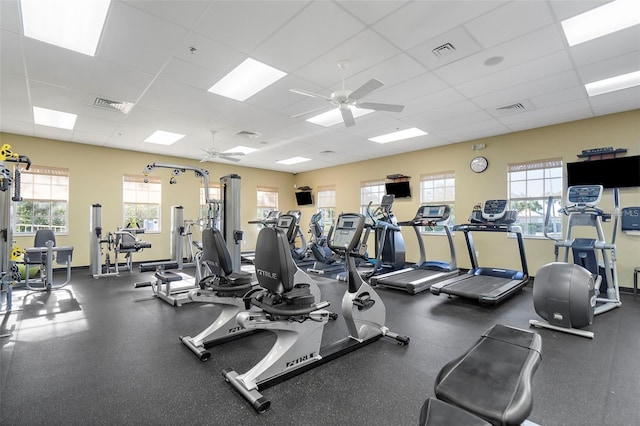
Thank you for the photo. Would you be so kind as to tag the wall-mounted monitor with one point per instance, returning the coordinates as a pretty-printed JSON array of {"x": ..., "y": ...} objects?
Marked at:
[
  {"x": 400, "y": 189},
  {"x": 304, "y": 198},
  {"x": 623, "y": 172}
]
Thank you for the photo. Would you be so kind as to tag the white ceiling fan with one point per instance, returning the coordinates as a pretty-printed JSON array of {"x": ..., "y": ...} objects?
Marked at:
[
  {"x": 213, "y": 152},
  {"x": 346, "y": 99}
]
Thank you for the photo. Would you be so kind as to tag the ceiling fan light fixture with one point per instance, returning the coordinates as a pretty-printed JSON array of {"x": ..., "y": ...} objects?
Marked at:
[
  {"x": 334, "y": 116},
  {"x": 398, "y": 136},
  {"x": 246, "y": 80},
  {"x": 161, "y": 137}
]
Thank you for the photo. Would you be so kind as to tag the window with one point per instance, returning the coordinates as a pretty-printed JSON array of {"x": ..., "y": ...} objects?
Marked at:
[
  {"x": 214, "y": 194},
  {"x": 438, "y": 188},
  {"x": 327, "y": 205},
  {"x": 141, "y": 201},
  {"x": 267, "y": 201},
  {"x": 45, "y": 200},
  {"x": 530, "y": 185},
  {"x": 371, "y": 191}
]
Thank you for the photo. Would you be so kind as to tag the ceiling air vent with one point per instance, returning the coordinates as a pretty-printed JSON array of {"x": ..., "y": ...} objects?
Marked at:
[
  {"x": 515, "y": 108},
  {"x": 248, "y": 134},
  {"x": 123, "y": 107},
  {"x": 444, "y": 50}
]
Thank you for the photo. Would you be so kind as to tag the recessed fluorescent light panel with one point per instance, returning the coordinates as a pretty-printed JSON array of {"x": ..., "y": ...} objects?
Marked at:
[
  {"x": 398, "y": 136},
  {"x": 612, "y": 84},
  {"x": 164, "y": 138},
  {"x": 53, "y": 118},
  {"x": 333, "y": 117},
  {"x": 246, "y": 79},
  {"x": 70, "y": 24},
  {"x": 293, "y": 160},
  {"x": 603, "y": 20},
  {"x": 242, "y": 149}
]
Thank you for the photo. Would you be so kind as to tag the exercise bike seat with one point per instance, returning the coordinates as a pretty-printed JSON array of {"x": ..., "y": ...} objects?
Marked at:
[
  {"x": 216, "y": 255},
  {"x": 491, "y": 380},
  {"x": 276, "y": 270}
]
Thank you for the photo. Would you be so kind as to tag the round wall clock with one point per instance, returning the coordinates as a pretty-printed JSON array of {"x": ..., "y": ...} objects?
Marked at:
[{"x": 479, "y": 164}]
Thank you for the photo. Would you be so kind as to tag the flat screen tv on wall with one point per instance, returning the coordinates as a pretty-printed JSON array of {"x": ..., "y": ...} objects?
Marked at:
[
  {"x": 304, "y": 198},
  {"x": 398, "y": 189},
  {"x": 623, "y": 172}
]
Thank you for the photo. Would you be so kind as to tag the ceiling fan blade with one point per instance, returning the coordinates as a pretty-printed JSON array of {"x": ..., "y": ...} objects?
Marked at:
[
  {"x": 310, "y": 94},
  {"x": 347, "y": 117},
  {"x": 365, "y": 89},
  {"x": 380, "y": 107}
]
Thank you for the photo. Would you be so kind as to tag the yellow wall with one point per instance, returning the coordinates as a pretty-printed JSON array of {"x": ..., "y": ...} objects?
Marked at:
[
  {"x": 559, "y": 141},
  {"x": 96, "y": 176}
]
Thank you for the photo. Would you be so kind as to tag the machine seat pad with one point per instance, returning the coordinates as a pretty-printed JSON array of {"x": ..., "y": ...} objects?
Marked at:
[
  {"x": 298, "y": 301},
  {"x": 439, "y": 413},
  {"x": 167, "y": 276},
  {"x": 235, "y": 284},
  {"x": 493, "y": 378}
]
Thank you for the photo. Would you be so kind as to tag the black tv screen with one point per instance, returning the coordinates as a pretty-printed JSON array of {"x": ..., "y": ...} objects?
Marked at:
[
  {"x": 398, "y": 189},
  {"x": 304, "y": 198},
  {"x": 623, "y": 172}
]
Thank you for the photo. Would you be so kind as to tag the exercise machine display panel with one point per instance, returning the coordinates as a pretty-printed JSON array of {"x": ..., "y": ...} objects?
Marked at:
[{"x": 587, "y": 195}]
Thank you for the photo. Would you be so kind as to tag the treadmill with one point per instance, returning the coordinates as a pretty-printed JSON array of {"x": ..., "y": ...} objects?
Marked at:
[
  {"x": 489, "y": 286},
  {"x": 423, "y": 274}
]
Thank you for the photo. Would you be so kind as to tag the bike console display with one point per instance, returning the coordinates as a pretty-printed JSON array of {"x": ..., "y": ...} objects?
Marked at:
[{"x": 348, "y": 230}]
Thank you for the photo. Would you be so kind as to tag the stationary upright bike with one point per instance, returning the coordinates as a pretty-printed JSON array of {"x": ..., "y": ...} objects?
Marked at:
[
  {"x": 568, "y": 295},
  {"x": 298, "y": 320}
]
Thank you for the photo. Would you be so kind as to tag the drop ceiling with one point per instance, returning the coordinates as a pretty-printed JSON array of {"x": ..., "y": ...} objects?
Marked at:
[{"x": 463, "y": 69}]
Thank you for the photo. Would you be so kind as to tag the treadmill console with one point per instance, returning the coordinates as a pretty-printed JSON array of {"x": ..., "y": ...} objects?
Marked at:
[
  {"x": 347, "y": 232},
  {"x": 429, "y": 214},
  {"x": 584, "y": 195},
  {"x": 494, "y": 210}
]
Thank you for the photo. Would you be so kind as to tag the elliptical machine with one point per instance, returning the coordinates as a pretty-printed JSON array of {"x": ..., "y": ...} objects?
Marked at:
[
  {"x": 389, "y": 248},
  {"x": 298, "y": 320},
  {"x": 326, "y": 260},
  {"x": 568, "y": 295}
]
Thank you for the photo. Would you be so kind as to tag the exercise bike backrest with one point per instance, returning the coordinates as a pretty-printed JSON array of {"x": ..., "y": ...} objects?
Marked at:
[
  {"x": 275, "y": 267},
  {"x": 215, "y": 253}
]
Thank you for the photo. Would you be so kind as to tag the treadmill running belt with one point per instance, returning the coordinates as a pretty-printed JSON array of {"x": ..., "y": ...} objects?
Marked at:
[{"x": 483, "y": 287}]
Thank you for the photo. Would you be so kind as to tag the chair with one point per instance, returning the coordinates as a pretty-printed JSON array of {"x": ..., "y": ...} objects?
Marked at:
[{"x": 44, "y": 253}]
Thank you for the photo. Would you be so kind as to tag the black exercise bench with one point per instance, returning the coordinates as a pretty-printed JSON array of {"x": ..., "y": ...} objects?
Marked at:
[{"x": 490, "y": 384}]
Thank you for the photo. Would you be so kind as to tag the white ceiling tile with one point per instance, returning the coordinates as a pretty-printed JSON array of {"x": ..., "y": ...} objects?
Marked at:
[
  {"x": 620, "y": 100},
  {"x": 476, "y": 130},
  {"x": 14, "y": 89},
  {"x": 244, "y": 25},
  {"x": 371, "y": 12},
  {"x": 567, "y": 9},
  {"x": 572, "y": 93},
  {"x": 180, "y": 12},
  {"x": 610, "y": 46},
  {"x": 10, "y": 16},
  {"x": 509, "y": 21},
  {"x": 423, "y": 20},
  {"x": 391, "y": 72},
  {"x": 11, "y": 58},
  {"x": 610, "y": 67},
  {"x": 55, "y": 97},
  {"x": 523, "y": 49},
  {"x": 578, "y": 109},
  {"x": 322, "y": 25},
  {"x": 117, "y": 83},
  {"x": 363, "y": 51},
  {"x": 16, "y": 112},
  {"x": 138, "y": 40}
]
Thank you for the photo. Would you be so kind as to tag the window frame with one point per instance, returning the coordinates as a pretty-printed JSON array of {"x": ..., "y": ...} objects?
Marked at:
[
  {"x": 29, "y": 193},
  {"x": 263, "y": 208},
  {"x": 451, "y": 202},
  {"x": 528, "y": 173},
  {"x": 326, "y": 203},
  {"x": 151, "y": 183},
  {"x": 366, "y": 198}
]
